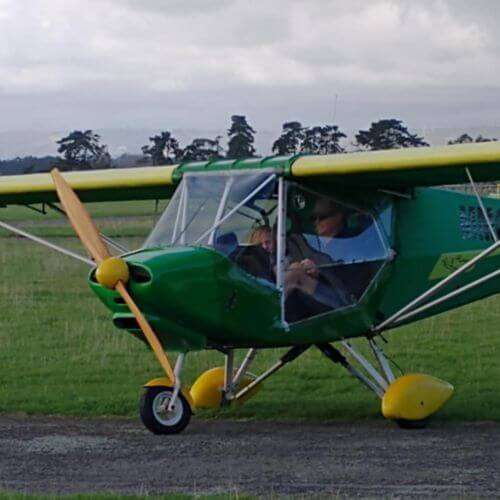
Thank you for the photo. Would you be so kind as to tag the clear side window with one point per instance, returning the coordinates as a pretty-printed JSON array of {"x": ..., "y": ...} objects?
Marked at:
[{"x": 333, "y": 252}]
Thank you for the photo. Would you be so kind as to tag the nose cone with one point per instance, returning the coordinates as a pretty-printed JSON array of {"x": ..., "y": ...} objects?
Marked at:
[{"x": 111, "y": 271}]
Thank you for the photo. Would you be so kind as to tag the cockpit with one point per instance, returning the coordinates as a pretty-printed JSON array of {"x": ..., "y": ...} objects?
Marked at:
[
  {"x": 319, "y": 252},
  {"x": 226, "y": 212}
]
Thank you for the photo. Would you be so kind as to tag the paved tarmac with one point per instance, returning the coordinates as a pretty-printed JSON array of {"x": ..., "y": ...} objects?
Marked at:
[{"x": 368, "y": 459}]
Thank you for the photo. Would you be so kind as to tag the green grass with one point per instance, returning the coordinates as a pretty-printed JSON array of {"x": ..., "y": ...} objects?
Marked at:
[{"x": 60, "y": 354}]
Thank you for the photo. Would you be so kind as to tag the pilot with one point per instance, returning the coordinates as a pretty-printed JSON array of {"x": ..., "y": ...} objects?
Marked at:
[
  {"x": 329, "y": 220},
  {"x": 311, "y": 271}
]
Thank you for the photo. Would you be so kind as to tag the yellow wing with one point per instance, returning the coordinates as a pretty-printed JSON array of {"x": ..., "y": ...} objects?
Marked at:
[
  {"x": 91, "y": 185},
  {"x": 406, "y": 167},
  {"x": 400, "y": 168}
]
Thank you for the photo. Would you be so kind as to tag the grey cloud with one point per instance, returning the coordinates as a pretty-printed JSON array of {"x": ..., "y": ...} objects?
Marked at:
[
  {"x": 140, "y": 63},
  {"x": 171, "y": 7}
]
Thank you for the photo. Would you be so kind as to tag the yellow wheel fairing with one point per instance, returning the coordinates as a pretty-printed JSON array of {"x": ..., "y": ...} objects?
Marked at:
[
  {"x": 165, "y": 382},
  {"x": 206, "y": 392},
  {"x": 415, "y": 397}
]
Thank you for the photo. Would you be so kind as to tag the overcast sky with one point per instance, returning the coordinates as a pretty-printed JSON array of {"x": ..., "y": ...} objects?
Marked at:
[{"x": 67, "y": 64}]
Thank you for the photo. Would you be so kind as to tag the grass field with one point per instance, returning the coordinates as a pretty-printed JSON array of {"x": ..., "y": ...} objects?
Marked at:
[{"x": 61, "y": 355}]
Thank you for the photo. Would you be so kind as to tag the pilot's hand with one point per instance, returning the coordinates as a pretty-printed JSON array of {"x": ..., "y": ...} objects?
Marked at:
[{"x": 310, "y": 268}]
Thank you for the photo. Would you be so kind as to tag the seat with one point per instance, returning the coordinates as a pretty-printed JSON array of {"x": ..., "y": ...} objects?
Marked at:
[{"x": 226, "y": 243}]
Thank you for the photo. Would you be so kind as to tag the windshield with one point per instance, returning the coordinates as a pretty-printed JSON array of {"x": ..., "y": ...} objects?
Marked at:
[{"x": 221, "y": 210}]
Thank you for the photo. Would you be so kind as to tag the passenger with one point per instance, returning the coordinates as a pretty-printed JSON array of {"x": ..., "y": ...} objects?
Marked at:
[
  {"x": 262, "y": 236},
  {"x": 256, "y": 258}
]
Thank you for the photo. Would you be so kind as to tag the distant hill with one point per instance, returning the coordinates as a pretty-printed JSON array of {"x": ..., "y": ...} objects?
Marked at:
[
  {"x": 27, "y": 165},
  {"x": 33, "y": 165}
]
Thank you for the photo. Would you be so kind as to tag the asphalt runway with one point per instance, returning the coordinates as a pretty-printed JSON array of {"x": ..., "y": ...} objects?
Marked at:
[{"x": 66, "y": 455}]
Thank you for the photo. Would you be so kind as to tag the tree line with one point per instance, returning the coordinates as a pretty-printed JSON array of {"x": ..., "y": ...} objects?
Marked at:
[{"x": 82, "y": 150}]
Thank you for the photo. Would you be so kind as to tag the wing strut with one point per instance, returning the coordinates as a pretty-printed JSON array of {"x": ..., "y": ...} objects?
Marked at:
[
  {"x": 107, "y": 239},
  {"x": 46, "y": 243},
  {"x": 415, "y": 307},
  {"x": 410, "y": 309}
]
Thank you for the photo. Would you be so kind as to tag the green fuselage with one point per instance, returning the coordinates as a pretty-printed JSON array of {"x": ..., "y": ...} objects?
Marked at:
[{"x": 196, "y": 297}]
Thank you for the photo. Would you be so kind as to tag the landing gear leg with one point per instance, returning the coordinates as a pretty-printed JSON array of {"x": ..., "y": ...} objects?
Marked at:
[
  {"x": 290, "y": 355},
  {"x": 376, "y": 383},
  {"x": 228, "y": 390}
]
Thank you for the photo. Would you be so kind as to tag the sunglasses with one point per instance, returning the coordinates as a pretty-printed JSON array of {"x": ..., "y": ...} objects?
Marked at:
[{"x": 320, "y": 217}]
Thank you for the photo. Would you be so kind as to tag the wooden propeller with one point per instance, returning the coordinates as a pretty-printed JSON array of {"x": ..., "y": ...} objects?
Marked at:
[{"x": 91, "y": 239}]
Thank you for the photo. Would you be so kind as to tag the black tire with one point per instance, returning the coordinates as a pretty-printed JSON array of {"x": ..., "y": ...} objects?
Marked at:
[
  {"x": 157, "y": 422},
  {"x": 413, "y": 424}
]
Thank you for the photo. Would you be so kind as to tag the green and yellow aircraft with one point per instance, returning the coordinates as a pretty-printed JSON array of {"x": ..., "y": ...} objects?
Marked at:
[{"x": 290, "y": 252}]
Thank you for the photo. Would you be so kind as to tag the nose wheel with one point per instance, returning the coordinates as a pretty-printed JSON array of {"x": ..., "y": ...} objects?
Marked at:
[{"x": 159, "y": 416}]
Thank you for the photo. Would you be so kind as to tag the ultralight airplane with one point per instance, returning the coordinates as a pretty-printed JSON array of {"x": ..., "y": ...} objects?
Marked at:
[{"x": 297, "y": 252}]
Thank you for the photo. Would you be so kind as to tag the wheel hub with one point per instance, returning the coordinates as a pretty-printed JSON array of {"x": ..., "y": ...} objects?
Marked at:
[{"x": 161, "y": 411}]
